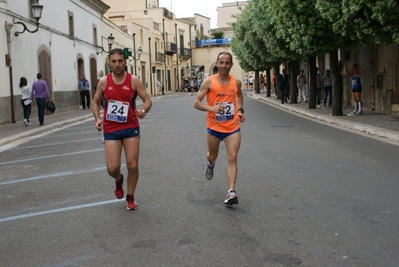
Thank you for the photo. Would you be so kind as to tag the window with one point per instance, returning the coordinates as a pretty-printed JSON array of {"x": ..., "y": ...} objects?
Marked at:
[
  {"x": 95, "y": 40},
  {"x": 71, "y": 25}
]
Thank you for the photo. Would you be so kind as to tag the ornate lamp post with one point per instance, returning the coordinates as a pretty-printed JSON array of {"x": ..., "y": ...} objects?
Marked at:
[
  {"x": 111, "y": 40},
  {"x": 37, "y": 14}
]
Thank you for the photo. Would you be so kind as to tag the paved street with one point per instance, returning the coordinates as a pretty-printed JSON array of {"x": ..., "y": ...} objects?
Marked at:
[{"x": 310, "y": 195}]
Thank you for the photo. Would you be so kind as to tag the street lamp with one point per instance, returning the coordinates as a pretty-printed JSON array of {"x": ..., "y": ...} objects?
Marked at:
[
  {"x": 37, "y": 14},
  {"x": 139, "y": 52},
  {"x": 101, "y": 49}
]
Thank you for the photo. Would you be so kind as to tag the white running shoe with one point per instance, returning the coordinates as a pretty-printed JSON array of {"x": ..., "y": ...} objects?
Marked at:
[{"x": 231, "y": 198}]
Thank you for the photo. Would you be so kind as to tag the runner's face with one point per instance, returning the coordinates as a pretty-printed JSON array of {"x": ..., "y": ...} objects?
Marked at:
[
  {"x": 224, "y": 64},
  {"x": 117, "y": 63}
]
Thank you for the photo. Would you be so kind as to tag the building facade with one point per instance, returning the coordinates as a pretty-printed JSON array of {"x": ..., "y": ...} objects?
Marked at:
[{"x": 61, "y": 49}]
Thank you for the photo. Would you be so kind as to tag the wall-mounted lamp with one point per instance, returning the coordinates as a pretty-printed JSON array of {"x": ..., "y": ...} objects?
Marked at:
[
  {"x": 101, "y": 49},
  {"x": 37, "y": 14},
  {"x": 139, "y": 52}
]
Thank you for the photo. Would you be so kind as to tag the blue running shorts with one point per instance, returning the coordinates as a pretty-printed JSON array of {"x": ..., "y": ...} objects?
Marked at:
[
  {"x": 122, "y": 134},
  {"x": 221, "y": 136}
]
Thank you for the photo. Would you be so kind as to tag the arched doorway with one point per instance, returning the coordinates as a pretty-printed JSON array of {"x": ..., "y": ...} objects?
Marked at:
[
  {"x": 93, "y": 74},
  {"x": 81, "y": 71},
  {"x": 45, "y": 69}
]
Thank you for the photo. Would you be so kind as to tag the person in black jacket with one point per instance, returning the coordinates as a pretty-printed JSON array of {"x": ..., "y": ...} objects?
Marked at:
[{"x": 283, "y": 85}]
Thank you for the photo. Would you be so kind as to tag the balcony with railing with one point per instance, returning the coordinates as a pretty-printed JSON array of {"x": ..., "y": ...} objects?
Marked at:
[
  {"x": 160, "y": 57},
  {"x": 185, "y": 53},
  {"x": 170, "y": 48}
]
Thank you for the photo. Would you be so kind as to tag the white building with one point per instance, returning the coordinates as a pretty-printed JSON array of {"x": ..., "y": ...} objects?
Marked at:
[{"x": 61, "y": 49}]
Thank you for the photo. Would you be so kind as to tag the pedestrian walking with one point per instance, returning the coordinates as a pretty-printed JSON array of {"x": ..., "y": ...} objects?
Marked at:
[
  {"x": 192, "y": 85},
  {"x": 225, "y": 113},
  {"x": 327, "y": 83},
  {"x": 120, "y": 123},
  {"x": 159, "y": 86},
  {"x": 26, "y": 101},
  {"x": 301, "y": 85},
  {"x": 39, "y": 95},
  {"x": 246, "y": 82},
  {"x": 261, "y": 81},
  {"x": 251, "y": 82},
  {"x": 284, "y": 85},
  {"x": 318, "y": 88},
  {"x": 84, "y": 87},
  {"x": 355, "y": 75}
]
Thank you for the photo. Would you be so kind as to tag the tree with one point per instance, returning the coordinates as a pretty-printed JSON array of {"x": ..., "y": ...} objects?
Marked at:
[
  {"x": 248, "y": 43},
  {"x": 217, "y": 35},
  {"x": 306, "y": 33},
  {"x": 248, "y": 48},
  {"x": 363, "y": 22}
]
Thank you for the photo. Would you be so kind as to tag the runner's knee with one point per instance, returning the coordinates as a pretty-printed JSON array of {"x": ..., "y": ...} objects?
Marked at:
[{"x": 132, "y": 166}]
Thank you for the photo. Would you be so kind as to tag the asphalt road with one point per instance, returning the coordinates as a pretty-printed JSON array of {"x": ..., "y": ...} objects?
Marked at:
[{"x": 310, "y": 195}]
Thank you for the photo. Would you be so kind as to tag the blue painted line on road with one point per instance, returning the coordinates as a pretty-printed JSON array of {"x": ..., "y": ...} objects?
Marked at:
[
  {"x": 24, "y": 216},
  {"x": 56, "y": 144},
  {"x": 68, "y": 134},
  {"x": 73, "y": 262},
  {"x": 57, "y": 174},
  {"x": 51, "y": 156}
]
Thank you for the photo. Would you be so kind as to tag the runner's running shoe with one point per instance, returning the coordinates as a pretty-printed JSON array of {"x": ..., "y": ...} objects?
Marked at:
[
  {"x": 119, "y": 188},
  {"x": 231, "y": 198},
  {"x": 131, "y": 204},
  {"x": 209, "y": 171}
]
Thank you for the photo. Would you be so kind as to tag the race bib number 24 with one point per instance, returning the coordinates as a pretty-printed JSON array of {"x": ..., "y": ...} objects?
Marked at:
[{"x": 117, "y": 111}]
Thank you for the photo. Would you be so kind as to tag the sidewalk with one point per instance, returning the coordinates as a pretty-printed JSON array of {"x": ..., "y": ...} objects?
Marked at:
[
  {"x": 13, "y": 132},
  {"x": 371, "y": 122}
]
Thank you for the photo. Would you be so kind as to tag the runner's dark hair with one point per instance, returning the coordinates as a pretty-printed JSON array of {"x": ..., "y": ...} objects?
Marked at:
[
  {"x": 118, "y": 51},
  {"x": 225, "y": 53}
]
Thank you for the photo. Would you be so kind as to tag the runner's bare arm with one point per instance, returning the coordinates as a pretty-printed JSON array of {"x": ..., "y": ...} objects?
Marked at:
[
  {"x": 95, "y": 105},
  {"x": 204, "y": 89},
  {"x": 240, "y": 101},
  {"x": 139, "y": 87}
]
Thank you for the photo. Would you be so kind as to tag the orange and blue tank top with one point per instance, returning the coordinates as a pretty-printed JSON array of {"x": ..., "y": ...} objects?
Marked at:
[
  {"x": 119, "y": 105},
  {"x": 225, "y": 95}
]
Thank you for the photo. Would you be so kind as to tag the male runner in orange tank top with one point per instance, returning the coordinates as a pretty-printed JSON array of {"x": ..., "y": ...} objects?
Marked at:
[
  {"x": 225, "y": 113},
  {"x": 120, "y": 123}
]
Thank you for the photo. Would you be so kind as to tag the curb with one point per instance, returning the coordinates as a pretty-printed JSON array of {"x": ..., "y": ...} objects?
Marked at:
[{"x": 360, "y": 127}]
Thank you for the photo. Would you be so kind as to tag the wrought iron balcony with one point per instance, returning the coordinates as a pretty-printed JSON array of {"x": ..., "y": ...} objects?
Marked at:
[
  {"x": 170, "y": 48},
  {"x": 160, "y": 57},
  {"x": 185, "y": 53}
]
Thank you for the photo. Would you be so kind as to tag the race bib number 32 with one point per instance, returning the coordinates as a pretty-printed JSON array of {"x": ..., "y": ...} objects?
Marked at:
[
  {"x": 228, "y": 111},
  {"x": 117, "y": 111}
]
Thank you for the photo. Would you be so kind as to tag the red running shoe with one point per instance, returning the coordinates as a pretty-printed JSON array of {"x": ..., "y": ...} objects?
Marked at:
[
  {"x": 119, "y": 188},
  {"x": 131, "y": 204}
]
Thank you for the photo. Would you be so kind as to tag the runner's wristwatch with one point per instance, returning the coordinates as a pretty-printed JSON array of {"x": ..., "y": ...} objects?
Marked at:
[{"x": 242, "y": 110}]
